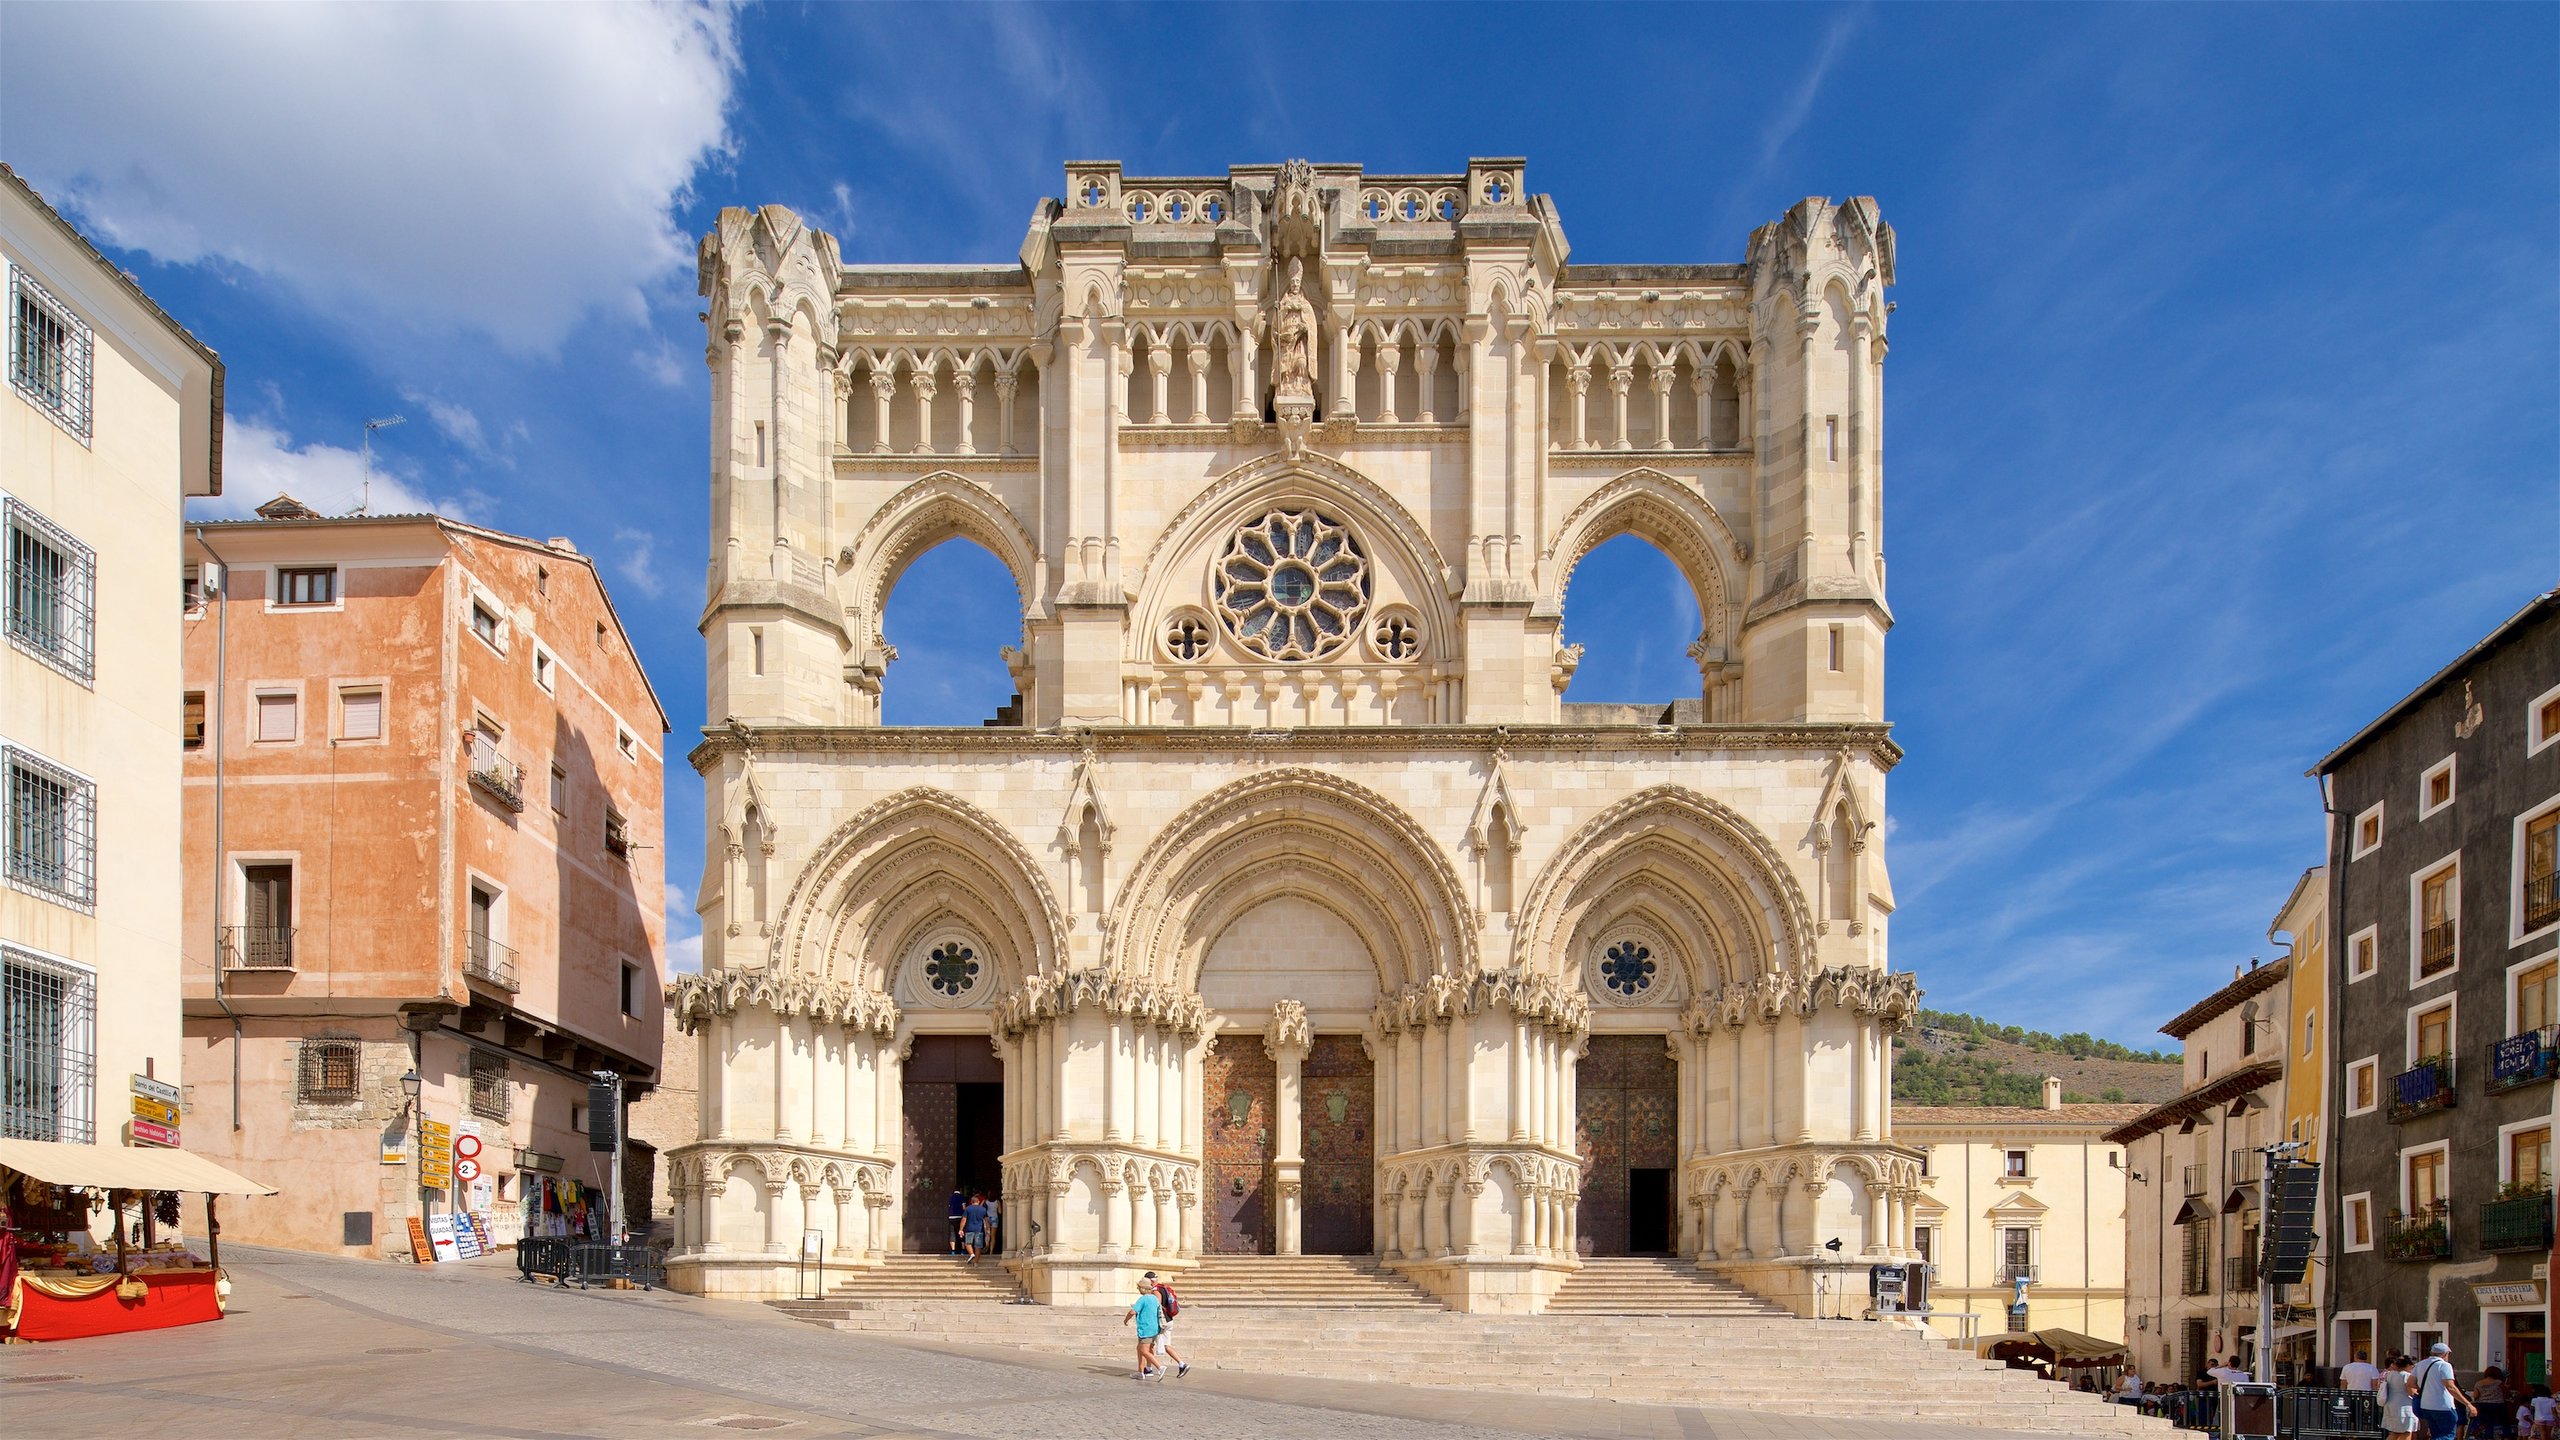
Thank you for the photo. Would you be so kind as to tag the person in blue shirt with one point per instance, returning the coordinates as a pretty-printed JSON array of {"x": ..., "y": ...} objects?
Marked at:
[
  {"x": 1148, "y": 1311},
  {"x": 959, "y": 1210},
  {"x": 973, "y": 1228}
]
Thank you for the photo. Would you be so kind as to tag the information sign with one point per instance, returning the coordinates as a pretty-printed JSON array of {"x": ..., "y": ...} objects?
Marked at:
[
  {"x": 420, "y": 1249},
  {"x": 160, "y": 1090},
  {"x": 466, "y": 1238},
  {"x": 440, "y": 1236},
  {"x": 158, "y": 1112},
  {"x": 144, "y": 1132},
  {"x": 435, "y": 1154}
]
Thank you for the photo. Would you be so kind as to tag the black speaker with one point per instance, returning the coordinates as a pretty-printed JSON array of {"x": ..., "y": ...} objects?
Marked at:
[
  {"x": 604, "y": 1110},
  {"x": 2293, "y": 1214}
]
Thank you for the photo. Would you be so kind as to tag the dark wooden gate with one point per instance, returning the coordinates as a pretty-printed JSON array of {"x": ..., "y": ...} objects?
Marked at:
[
  {"x": 1336, "y": 1143},
  {"x": 1626, "y": 1120},
  {"x": 1237, "y": 1088},
  {"x": 953, "y": 1097}
]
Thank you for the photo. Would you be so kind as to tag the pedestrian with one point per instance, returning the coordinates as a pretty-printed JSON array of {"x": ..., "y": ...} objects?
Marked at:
[
  {"x": 2399, "y": 1416},
  {"x": 2129, "y": 1387},
  {"x": 1164, "y": 1327},
  {"x": 995, "y": 1224},
  {"x": 2546, "y": 1414},
  {"x": 2230, "y": 1372},
  {"x": 973, "y": 1228},
  {"x": 1148, "y": 1311},
  {"x": 959, "y": 1212},
  {"x": 2497, "y": 1411},
  {"x": 2358, "y": 1374},
  {"x": 2432, "y": 1383}
]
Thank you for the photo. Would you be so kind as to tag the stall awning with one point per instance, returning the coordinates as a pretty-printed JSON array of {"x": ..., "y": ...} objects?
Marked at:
[{"x": 117, "y": 1167}]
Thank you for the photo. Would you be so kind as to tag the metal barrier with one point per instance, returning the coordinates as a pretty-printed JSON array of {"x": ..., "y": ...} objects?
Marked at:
[
  {"x": 2309, "y": 1412},
  {"x": 588, "y": 1262}
]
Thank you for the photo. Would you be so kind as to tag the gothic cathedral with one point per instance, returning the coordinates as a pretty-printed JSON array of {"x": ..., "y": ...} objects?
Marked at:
[{"x": 1288, "y": 908}]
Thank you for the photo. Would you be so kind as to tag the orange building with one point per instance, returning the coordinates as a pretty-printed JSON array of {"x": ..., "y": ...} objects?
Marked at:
[{"x": 424, "y": 812}]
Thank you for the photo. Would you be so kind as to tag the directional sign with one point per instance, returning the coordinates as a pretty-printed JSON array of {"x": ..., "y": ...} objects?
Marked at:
[
  {"x": 160, "y": 1090},
  {"x": 146, "y": 1133},
  {"x": 158, "y": 1112}
]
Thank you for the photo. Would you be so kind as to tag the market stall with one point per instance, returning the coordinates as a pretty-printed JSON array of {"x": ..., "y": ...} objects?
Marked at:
[
  {"x": 2055, "y": 1351},
  {"x": 56, "y": 1283}
]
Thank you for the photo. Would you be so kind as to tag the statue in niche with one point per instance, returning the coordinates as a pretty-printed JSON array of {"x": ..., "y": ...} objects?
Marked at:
[{"x": 1289, "y": 322}]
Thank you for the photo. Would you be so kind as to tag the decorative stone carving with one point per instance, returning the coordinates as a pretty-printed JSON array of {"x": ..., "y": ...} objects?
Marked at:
[
  {"x": 1289, "y": 325},
  {"x": 1288, "y": 1030},
  {"x": 1292, "y": 585}
]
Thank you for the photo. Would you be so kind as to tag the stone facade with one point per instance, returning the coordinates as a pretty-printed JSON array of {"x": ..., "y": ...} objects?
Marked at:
[{"x": 1290, "y": 895}]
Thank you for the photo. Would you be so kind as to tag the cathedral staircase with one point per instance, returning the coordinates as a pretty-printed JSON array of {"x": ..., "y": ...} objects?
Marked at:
[
  {"x": 1696, "y": 1340},
  {"x": 1652, "y": 1285},
  {"x": 1298, "y": 1282}
]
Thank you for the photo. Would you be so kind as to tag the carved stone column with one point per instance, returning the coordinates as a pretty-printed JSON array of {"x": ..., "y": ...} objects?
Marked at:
[
  {"x": 1621, "y": 378},
  {"x": 1702, "y": 392},
  {"x": 923, "y": 383},
  {"x": 1006, "y": 383},
  {"x": 1426, "y": 360},
  {"x": 1390, "y": 359},
  {"x": 1286, "y": 1040},
  {"x": 1578, "y": 380},
  {"x": 1662, "y": 378},
  {"x": 884, "y": 388},
  {"x": 1159, "y": 381},
  {"x": 1195, "y": 365},
  {"x": 966, "y": 382}
]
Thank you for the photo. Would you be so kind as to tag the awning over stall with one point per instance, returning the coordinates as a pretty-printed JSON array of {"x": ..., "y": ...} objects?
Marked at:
[{"x": 117, "y": 1167}]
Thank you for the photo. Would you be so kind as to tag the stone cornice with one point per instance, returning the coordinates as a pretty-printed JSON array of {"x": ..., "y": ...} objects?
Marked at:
[
  {"x": 1643, "y": 742},
  {"x": 695, "y": 998},
  {"x": 1051, "y": 994}
]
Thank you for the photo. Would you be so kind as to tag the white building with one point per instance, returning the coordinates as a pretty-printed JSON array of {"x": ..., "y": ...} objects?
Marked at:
[
  {"x": 113, "y": 417},
  {"x": 1289, "y": 908}
]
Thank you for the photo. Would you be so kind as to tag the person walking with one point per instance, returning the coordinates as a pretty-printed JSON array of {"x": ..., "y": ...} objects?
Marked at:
[
  {"x": 1164, "y": 1329},
  {"x": 1148, "y": 1312},
  {"x": 973, "y": 1228},
  {"x": 959, "y": 1211},
  {"x": 2399, "y": 1415},
  {"x": 2359, "y": 1374},
  {"x": 2546, "y": 1413},
  {"x": 2432, "y": 1384},
  {"x": 2496, "y": 1418}
]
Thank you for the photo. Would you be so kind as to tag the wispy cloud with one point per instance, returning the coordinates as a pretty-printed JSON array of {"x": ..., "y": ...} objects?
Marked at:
[
  {"x": 261, "y": 461},
  {"x": 1745, "y": 203},
  {"x": 637, "y": 561}
]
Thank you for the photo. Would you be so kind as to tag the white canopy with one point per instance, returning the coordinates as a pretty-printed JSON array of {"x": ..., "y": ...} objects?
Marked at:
[{"x": 117, "y": 1167}]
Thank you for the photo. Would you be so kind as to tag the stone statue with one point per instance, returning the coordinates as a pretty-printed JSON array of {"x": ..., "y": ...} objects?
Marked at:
[{"x": 1290, "y": 321}]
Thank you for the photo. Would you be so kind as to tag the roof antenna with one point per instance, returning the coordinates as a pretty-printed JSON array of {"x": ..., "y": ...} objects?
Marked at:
[{"x": 385, "y": 423}]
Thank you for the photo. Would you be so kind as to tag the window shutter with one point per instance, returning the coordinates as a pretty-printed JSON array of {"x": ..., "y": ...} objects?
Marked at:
[
  {"x": 275, "y": 717},
  {"x": 364, "y": 714}
]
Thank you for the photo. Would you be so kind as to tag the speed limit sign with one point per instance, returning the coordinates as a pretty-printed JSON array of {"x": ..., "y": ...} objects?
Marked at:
[
  {"x": 466, "y": 1146},
  {"x": 466, "y": 1169}
]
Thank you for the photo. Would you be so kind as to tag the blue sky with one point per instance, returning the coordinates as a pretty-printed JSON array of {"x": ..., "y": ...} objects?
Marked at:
[{"x": 2223, "y": 403}]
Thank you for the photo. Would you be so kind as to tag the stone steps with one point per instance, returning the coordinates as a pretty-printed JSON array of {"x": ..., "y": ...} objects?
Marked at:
[
  {"x": 1775, "y": 1363},
  {"x": 1648, "y": 1285},
  {"x": 1329, "y": 1282},
  {"x": 910, "y": 1278}
]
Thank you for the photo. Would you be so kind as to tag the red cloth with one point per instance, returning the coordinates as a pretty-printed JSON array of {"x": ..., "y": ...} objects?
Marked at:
[{"x": 170, "y": 1298}]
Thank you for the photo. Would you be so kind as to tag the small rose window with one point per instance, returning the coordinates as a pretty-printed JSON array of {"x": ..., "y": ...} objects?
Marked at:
[
  {"x": 1627, "y": 969},
  {"x": 1292, "y": 585},
  {"x": 952, "y": 969}
]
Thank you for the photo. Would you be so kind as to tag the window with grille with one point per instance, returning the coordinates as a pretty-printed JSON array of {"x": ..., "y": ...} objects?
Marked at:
[
  {"x": 49, "y": 354},
  {"x": 48, "y": 592},
  {"x": 2196, "y": 1258},
  {"x": 313, "y": 585},
  {"x": 2017, "y": 1319},
  {"x": 329, "y": 1070},
  {"x": 617, "y": 833},
  {"x": 48, "y": 1049},
  {"x": 489, "y": 1089},
  {"x": 50, "y": 819}
]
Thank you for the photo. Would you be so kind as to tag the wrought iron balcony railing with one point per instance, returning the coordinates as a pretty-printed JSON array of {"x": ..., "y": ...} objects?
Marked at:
[
  {"x": 2246, "y": 1166},
  {"x": 257, "y": 947},
  {"x": 2435, "y": 949},
  {"x": 2240, "y": 1274},
  {"x": 2521, "y": 1059},
  {"x": 2195, "y": 1180},
  {"x": 2422, "y": 1089},
  {"x": 2196, "y": 1278},
  {"x": 2519, "y": 1222},
  {"x": 2541, "y": 900},
  {"x": 492, "y": 771},
  {"x": 488, "y": 960},
  {"x": 2427, "y": 1235}
]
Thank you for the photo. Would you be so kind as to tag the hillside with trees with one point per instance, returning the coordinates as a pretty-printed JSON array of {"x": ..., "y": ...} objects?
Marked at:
[{"x": 1949, "y": 1058}]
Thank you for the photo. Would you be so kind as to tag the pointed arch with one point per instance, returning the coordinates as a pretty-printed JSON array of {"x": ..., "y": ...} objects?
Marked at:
[
  {"x": 919, "y": 858},
  {"x": 1670, "y": 516},
  {"x": 1298, "y": 831},
  {"x": 1706, "y": 861},
  {"x": 937, "y": 507}
]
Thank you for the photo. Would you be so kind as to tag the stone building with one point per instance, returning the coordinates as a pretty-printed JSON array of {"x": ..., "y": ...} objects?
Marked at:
[
  {"x": 1289, "y": 908},
  {"x": 2021, "y": 1217},
  {"x": 111, "y": 417},
  {"x": 424, "y": 805},
  {"x": 2444, "y": 893}
]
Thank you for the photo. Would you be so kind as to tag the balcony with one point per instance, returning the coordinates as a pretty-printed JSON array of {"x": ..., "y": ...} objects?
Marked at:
[
  {"x": 2521, "y": 1060},
  {"x": 2248, "y": 1167},
  {"x": 257, "y": 947},
  {"x": 2011, "y": 1272},
  {"x": 2422, "y": 1090},
  {"x": 2240, "y": 1273},
  {"x": 493, "y": 772},
  {"x": 2541, "y": 900},
  {"x": 617, "y": 835},
  {"x": 491, "y": 963},
  {"x": 2518, "y": 1222},
  {"x": 2196, "y": 1277},
  {"x": 2435, "y": 950},
  {"x": 2195, "y": 1180},
  {"x": 2424, "y": 1236}
]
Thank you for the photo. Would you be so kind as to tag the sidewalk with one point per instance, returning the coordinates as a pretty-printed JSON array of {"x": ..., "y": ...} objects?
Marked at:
[{"x": 318, "y": 1348}]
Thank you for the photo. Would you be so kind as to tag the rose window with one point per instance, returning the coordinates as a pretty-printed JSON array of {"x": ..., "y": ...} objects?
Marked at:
[
  {"x": 1627, "y": 969},
  {"x": 1292, "y": 586},
  {"x": 952, "y": 969}
]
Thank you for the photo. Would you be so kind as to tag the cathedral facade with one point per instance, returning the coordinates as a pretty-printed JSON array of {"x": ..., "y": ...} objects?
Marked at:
[{"x": 1289, "y": 908}]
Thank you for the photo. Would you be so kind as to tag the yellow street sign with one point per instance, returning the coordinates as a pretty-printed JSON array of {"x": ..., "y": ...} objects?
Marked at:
[{"x": 158, "y": 1112}]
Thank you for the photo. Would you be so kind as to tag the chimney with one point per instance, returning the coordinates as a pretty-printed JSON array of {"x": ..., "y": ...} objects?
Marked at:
[{"x": 2053, "y": 1092}]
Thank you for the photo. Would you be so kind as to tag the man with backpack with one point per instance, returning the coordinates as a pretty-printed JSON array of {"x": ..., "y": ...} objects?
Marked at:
[
  {"x": 2432, "y": 1384},
  {"x": 1172, "y": 1304}
]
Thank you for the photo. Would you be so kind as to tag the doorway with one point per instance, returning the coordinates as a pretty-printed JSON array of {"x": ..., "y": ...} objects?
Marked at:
[
  {"x": 1626, "y": 1125},
  {"x": 953, "y": 1096},
  {"x": 1238, "y": 1084},
  {"x": 2525, "y": 1354},
  {"x": 1339, "y": 1175}
]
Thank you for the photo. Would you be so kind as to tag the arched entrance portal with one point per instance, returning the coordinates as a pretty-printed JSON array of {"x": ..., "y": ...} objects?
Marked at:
[
  {"x": 1627, "y": 1113},
  {"x": 954, "y": 1101}
]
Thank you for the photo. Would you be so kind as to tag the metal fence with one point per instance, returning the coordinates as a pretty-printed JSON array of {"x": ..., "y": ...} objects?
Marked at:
[
  {"x": 2309, "y": 1412},
  {"x": 590, "y": 1262}
]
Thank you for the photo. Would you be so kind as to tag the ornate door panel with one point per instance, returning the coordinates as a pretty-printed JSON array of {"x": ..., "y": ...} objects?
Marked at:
[
  {"x": 932, "y": 1164},
  {"x": 1626, "y": 1118},
  {"x": 1336, "y": 1142},
  {"x": 1238, "y": 1084}
]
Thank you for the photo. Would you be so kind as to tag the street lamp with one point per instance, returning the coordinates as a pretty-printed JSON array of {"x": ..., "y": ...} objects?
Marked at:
[{"x": 409, "y": 1084}]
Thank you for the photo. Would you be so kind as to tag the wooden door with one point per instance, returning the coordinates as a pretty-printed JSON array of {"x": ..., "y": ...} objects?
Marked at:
[
  {"x": 1626, "y": 1119},
  {"x": 1238, "y": 1083},
  {"x": 1337, "y": 1144}
]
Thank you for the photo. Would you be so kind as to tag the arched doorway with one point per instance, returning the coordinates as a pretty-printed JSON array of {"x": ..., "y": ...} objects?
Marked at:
[
  {"x": 1339, "y": 1144},
  {"x": 1238, "y": 1093},
  {"x": 1626, "y": 1128},
  {"x": 953, "y": 1098}
]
